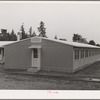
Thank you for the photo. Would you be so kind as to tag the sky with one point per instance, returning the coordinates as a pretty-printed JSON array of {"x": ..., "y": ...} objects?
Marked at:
[{"x": 61, "y": 18}]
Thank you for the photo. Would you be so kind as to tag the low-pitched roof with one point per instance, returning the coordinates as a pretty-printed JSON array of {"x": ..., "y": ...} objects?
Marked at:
[
  {"x": 3, "y": 43},
  {"x": 74, "y": 44}
]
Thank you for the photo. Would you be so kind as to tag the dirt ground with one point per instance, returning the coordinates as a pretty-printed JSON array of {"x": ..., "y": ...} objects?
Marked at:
[
  {"x": 40, "y": 83},
  {"x": 28, "y": 82}
]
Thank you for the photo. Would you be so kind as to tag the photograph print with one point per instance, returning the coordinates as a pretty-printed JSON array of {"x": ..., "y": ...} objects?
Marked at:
[{"x": 50, "y": 45}]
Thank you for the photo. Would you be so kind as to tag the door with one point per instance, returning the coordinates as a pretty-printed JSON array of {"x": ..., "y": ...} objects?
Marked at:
[{"x": 36, "y": 57}]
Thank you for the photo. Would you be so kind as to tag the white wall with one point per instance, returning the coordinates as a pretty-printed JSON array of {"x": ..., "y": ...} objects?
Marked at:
[{"x": 81, "y": 62}]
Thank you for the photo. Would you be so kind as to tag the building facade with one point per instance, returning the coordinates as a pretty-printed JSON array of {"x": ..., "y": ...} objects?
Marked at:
[{"x": 35, "y": 54}]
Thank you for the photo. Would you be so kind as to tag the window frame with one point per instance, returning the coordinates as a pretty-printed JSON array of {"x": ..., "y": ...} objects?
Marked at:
[
  {"x": 76, "y": 54},
  {"x": 35, "y": 52}
]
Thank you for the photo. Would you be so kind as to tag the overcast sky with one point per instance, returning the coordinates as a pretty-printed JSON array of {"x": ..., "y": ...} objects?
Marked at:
[{"x": 61, "y": 18}]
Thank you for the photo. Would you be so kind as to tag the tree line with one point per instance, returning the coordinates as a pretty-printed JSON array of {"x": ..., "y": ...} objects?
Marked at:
[
  {"x": 4, "y": 36},
  {"x": 80, "y": 39}
]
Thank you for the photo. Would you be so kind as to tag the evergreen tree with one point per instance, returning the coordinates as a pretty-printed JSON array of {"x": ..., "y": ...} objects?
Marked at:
[
  {"x": 42, "y": 30},
  {"x": 5, "y": 36},
  {"x": 34, "y": 34},
  {"x": 30, "y": 31},
  {"x": 8, "y": 37},
  {"x": 13, "y": 36},
  {"x": 55, "y": 37},
  {"x": 26, "y": 35},
  {"x": 23, "y": 35}
]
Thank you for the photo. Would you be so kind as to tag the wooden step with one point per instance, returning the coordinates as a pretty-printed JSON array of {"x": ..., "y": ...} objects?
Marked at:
[{"x": 32, "y": 69}]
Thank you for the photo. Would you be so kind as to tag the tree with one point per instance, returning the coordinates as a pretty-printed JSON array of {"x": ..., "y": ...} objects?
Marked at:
[
  {"x": 55, "y": 37},
  {"x": 98, "y": 45},
  {"x": 34, "y": 34},
  {"x": 12, "y": 36},
  {"x": 23, "y": 35},
  {"x": 79, "y": 38},
  {"x": 76, "y": 37},
  {"x": 42, "y": 30},
  {"x": 7, "y": 37},
  {"x": 26, "y": 35},
  {"x": 4, "y": 36},
  {"x": 91, "y": 42},
  {"x": 30, "y": 31}
]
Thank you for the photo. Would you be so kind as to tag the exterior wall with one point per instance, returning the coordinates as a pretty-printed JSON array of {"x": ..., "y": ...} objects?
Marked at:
[
  {"x": 56, "y": 56},
  {"x": 18, "y": 55},
  {"x": 2, "y": 59},
  {"x": 81, "y": 63}
]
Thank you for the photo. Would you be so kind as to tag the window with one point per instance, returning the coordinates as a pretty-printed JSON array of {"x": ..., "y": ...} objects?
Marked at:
[
  {"x": 0, "y": 51},
  {"x": 86, "y": 53},
  {"x": 89, "y": 52},
  {"x": 3, "y": 52},
  {"x": 98, "y": 51},
  {"x": 92, "y": 52},
  {"x": 82, "y": 53},
  {"x": 76, "y": 54},
  {"x": 95, "y": 52},
  {"x": 35, "y": 53}
]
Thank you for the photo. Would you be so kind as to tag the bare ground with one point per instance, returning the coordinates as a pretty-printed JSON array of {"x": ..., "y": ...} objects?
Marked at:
[{"x": 65, "y": 82}]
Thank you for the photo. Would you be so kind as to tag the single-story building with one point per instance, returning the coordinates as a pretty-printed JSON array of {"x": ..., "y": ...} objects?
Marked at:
[
  {"x": 2, "y": 44},
  {"x": 38, "y": 53}
]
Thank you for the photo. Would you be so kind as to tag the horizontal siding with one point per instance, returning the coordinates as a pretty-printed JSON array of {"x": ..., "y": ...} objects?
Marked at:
[
  {"x": 56, "y": 56},
  {"x": 18, "y": 55}
]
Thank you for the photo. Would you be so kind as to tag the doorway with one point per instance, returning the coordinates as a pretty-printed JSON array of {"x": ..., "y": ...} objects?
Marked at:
[{"x": 36, "y": 58}]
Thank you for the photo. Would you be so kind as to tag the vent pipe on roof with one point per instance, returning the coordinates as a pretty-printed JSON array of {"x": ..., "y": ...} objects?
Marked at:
[{"x": 18, "y": 36}]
